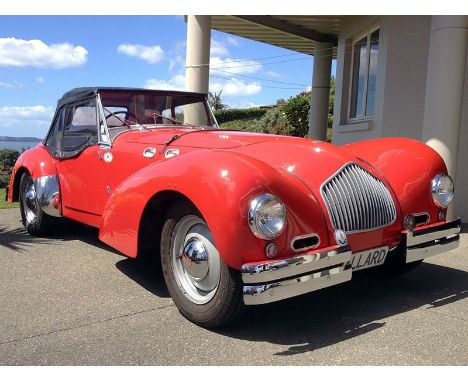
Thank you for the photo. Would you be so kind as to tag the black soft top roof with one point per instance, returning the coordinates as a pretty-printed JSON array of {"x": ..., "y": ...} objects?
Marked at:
[{"x": 80, "y": 94}]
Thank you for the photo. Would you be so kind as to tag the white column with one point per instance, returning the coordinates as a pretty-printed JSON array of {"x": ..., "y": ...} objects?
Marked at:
[
  {"x": 323, "y": 52},
  {"x": 444, "y": 86},
  {"x": 197, "y": 65},
  {"x": 198, "y": 53}
]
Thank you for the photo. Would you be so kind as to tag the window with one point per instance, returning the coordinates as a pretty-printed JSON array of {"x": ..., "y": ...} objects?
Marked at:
[
  {"x": 55, "y": 135},
  {"x": 364, "y": 75},
  {"x": 82, "y": 119}
]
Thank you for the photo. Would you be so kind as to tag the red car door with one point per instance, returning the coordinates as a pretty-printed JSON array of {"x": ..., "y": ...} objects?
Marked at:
[{"x": 83, "y": 183}]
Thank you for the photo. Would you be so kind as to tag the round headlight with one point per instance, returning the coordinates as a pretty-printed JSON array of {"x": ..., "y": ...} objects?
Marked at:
[
  {"x": 267, "y": 216},
  {"x": 442, "y": 190}
]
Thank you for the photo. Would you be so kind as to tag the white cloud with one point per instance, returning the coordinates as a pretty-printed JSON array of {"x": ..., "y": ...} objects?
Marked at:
[
  {"x": 175, "y": 83},
  {"x": 273, "y": 74},
  {"x": 17, "y": 52},
  {"x": 10, "y": 85},
  {"x": 217, "y": 48},
  {"x": 234, "y": 66},
  {"x": 229, "y": 86},
  {"x": 40, "y": 80},
  {"x": 242, "y": 105},
  {"x": 152, "y": 54},
  {"x": 232, "y": 41},
  {"x": 234, "y": 87},
  {"x": 26, "y": 120},
  {"x": 176, "y": 56}
]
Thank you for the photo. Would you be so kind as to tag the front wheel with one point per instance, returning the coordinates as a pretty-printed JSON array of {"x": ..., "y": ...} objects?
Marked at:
[{"x": 205, "y": 290}]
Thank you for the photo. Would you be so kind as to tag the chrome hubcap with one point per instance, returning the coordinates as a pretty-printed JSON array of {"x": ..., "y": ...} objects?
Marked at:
[
  {"x": 195, "y": 260},
  {"x": 30, "y": 202}
]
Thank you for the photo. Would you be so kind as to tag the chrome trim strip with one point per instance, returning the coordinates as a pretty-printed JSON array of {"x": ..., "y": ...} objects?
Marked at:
[
  {"x": 280, "y": 269},
  {"x": 420, "y": 253},
  {"x": 46, "y": 189},
  {"x": 107, "y": 143},
  {"x": 305, "y": 237},
  {"x": 266, "y": 293},
  {"x": 424, "y": 235}
]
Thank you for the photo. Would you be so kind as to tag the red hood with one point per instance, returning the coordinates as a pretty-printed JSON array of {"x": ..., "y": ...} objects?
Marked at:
[
  {"x": 207, "y": 139},
  {"x": 312, "y": 161}
]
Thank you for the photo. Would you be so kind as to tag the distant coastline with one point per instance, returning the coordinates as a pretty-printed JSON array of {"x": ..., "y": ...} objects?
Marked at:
[
  {"x": 18, "y": 143},
  {"x": 19, "y": 139}
]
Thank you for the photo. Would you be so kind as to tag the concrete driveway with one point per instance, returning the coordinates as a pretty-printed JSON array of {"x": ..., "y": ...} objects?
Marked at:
[{"x": 71, "y": 300}]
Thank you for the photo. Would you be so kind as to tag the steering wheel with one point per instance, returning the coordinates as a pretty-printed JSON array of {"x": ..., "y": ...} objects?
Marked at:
[{"x": 125, "y": 118}]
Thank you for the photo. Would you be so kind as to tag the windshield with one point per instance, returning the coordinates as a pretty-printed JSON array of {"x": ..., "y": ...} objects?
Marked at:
[{"x": 153, "y": 109}]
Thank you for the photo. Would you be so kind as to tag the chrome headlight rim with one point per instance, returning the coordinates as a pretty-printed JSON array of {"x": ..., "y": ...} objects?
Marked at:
[
  {"x": 436, "y": 189},
  {"x": 255, "y": 205}
]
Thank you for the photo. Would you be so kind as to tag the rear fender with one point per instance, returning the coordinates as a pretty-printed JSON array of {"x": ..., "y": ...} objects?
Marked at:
[
  {"x": 40, "y": 165},
  {"x": 221, "y": 185}
]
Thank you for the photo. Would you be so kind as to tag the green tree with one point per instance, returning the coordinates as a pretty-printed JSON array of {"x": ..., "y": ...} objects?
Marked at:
[
  {"x": 331, "y": 102},
  {"x": 296, "y": 110},
  {"x": 215, "y": 102}
]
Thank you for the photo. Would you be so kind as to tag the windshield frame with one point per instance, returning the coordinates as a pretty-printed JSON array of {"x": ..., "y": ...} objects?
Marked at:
[{"x": 106, "y": 139}]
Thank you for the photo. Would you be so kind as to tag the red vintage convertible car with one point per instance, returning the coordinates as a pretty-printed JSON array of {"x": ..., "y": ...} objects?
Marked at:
[{"x": 235, "y": 218}]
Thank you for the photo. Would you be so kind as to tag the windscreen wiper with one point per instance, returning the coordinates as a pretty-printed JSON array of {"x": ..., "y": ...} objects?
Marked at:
[
  {"x": 172, "y": 120},
  {"x": 122, "y": 120}
]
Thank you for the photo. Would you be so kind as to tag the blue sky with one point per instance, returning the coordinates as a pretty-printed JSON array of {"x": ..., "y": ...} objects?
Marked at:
[{"x": 41, "y": 57}]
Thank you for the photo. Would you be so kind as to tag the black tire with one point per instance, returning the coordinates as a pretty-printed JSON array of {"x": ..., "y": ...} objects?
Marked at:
[
  {"x": 226, "y": 304},
  {"x": 36, "y": 221}
]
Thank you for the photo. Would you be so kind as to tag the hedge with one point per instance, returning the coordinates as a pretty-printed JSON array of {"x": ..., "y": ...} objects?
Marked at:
[{"x": 227, "y": 115}]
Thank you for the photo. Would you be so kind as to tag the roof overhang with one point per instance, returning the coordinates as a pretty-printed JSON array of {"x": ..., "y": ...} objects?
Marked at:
[{"x": 297, "y": 33}]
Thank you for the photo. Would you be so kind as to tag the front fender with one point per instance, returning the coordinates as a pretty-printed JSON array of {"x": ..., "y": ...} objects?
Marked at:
[
  {"x": 221, "y": 184},
  {"x": 409, "y": 166}
]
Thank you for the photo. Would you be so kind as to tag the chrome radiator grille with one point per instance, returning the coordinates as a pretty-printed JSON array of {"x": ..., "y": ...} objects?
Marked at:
[{"x": 357, "y": 201}]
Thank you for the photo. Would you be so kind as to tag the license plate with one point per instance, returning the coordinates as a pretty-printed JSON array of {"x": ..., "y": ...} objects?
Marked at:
[{"x": 369, "y": 258}]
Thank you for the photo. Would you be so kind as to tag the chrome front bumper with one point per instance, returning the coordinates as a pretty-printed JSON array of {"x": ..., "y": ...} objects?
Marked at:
[
  {"x": 432, "y": 240},
  {"x": 275, "y": 280}
]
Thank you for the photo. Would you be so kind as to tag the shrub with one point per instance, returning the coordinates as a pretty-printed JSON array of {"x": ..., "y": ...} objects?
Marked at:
[
  {"x": 7, "y": 161},
  {"x": 227, "y": 115},
  {"x": 241, "y": 124},
  {"x": 296, "y": 110},
  {"x": 4, "y": 178},
  {"x": 273, "y": 122},
  {"x": 8, "y": 158}
]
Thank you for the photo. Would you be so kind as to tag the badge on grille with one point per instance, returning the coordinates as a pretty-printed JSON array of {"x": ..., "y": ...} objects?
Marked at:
[{"x": 341, "y": 238}]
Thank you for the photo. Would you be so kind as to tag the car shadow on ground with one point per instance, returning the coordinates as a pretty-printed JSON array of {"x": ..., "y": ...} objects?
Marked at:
[
  {"x": 18, "y": 239},
  {"x": 146, "y": 273},
  {"x": 464, "y": 228},
  {"x": 336, "y": 314}
]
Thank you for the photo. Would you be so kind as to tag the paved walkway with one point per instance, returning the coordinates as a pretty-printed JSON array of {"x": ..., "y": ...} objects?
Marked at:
[{"x": 71, "y": 300}]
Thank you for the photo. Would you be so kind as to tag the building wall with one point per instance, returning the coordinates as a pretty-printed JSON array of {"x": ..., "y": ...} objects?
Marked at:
[
  {"x": 461, "y": 181},
  {"x": 401, "y": 88},
  {"x": 406, "y": 41},
  {"x": 400, "y": 94}
]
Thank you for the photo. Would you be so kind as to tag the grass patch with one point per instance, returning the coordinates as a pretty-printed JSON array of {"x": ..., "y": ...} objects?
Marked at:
[{"x": 3, "y": 203}]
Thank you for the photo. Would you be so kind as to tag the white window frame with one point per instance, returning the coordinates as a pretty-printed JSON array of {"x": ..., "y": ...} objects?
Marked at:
[{"x": 364, "y": 117}]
